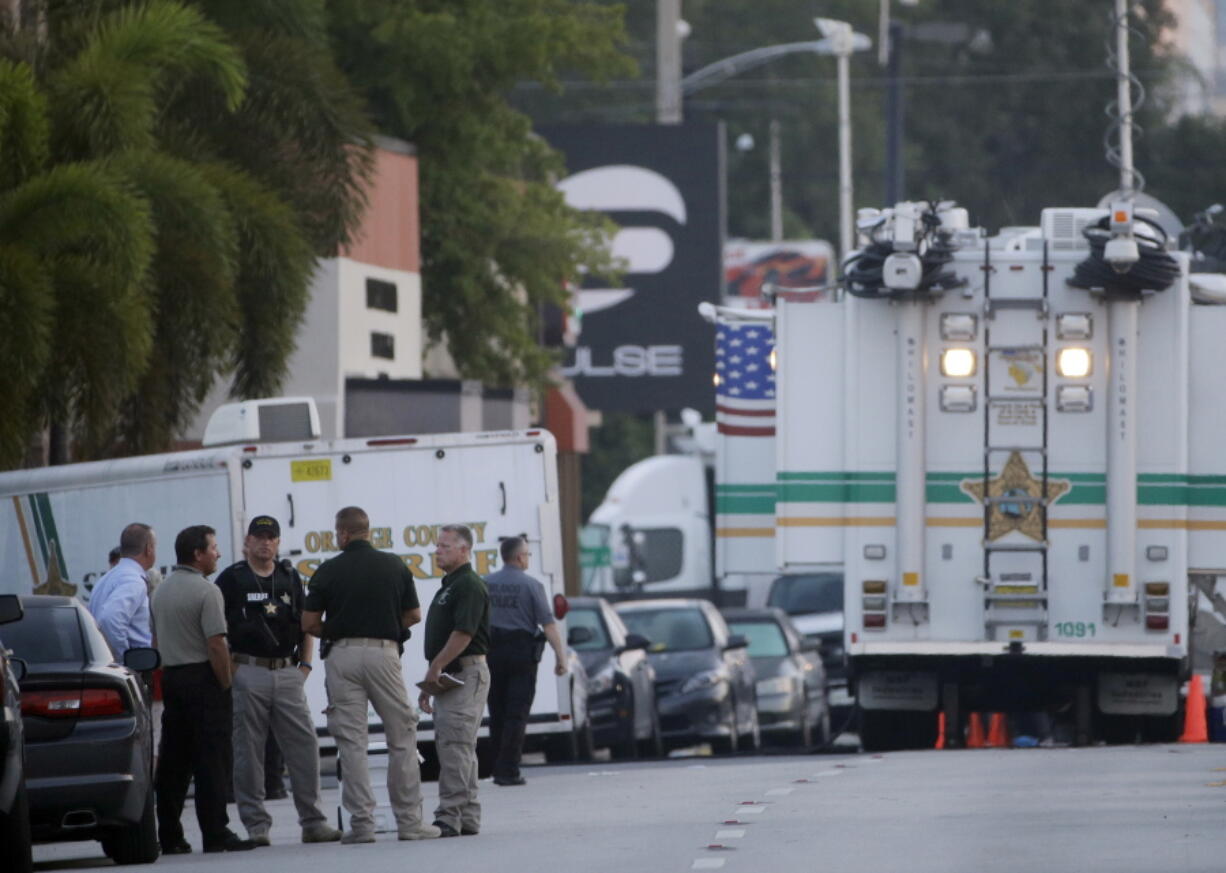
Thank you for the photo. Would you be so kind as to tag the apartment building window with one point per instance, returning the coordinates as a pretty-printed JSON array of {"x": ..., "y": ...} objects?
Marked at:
[
  {"x": 382, "y": 345},
  {"x": 381, "y": 295}
]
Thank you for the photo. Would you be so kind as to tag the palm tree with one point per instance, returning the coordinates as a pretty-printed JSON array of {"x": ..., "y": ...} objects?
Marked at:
[{"x": 159, "y": 214}]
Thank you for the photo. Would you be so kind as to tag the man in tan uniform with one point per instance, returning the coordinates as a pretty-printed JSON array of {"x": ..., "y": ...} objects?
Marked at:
[
  {"x": 457, "y": 641},
  {"x": 361, "y": 601}
]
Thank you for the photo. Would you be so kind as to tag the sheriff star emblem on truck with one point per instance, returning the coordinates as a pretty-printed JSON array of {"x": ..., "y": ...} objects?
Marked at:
[{"x": 1016, "y": 480}]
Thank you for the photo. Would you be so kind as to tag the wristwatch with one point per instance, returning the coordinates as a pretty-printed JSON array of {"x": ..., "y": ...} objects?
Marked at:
[{"x": 306, "y": 664}]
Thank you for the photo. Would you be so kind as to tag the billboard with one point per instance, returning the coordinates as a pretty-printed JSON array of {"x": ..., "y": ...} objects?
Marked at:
[
  {"x": 643, "y": 346},
  {"x": 750, "y": 267}
]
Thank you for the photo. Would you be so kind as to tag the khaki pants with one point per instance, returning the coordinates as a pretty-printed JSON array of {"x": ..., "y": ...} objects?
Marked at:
[
  {"x": 275, "y": 699},
  {"x": 357, "y": 674},
  {"x": 457, "y": 716}
]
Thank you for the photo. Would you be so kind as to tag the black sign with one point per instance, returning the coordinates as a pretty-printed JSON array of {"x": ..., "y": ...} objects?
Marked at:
[{"x": 643, "y": 346}]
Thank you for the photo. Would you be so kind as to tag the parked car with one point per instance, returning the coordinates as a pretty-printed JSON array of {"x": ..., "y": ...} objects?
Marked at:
[
  {"x": 14, "y": 802},
  {"x": 792, "y": 704},
  {"x": 704, "y": 678},
  {"x": 621, "y": 697},
  {"x": 88, "y": 731},
  {"x": 814, "y": 603}
]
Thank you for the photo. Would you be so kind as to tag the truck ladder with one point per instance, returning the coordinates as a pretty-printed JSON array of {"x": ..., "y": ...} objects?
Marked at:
[{"x": 1015, "y": 533}]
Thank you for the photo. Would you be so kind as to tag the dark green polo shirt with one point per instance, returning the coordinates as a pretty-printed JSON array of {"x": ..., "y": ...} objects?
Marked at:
[
  {"x": 362, "y": 593},
  {"x": 461, "y": 604}
]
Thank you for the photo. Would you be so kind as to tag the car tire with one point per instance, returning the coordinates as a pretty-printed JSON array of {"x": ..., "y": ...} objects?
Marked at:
[
  {"x": 586, "y": 746},
  {"x": 15, "y": 853},
  {"x": 136, "y": 843}
]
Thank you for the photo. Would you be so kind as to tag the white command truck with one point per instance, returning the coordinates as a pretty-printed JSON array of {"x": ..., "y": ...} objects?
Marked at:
[
  {"x": 57, "y": 525},
  {"x": 1013, "y": 446}
]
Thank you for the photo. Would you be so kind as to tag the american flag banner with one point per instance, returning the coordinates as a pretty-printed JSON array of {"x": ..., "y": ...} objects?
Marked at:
[{"x": 745, "y": 380}]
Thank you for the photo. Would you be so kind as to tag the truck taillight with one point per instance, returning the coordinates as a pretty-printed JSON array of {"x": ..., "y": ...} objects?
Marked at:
[
  {"x": 873, "y": 602},
  {"x": 1157, "y": 605},
  {"x": 85, "y": 703}
]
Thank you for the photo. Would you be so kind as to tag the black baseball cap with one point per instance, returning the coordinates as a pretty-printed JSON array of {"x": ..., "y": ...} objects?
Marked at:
[{"x": 264, "y": 524}]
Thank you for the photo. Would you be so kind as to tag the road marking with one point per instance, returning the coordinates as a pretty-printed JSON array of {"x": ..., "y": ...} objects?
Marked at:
[
  {"x": 708, "y": 863},
  {"x": 751, "y": 810},
  {"x": 730, "y": 833},
  {"x": 776, "y": 792},
  {"x": 829, "y": 773}
]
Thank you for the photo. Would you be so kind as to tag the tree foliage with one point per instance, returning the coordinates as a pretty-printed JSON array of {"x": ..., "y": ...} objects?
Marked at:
[
  {"x": 1005, "y": 127},
  {"x": 497, "y": 239},
  {"x": 171, "y": 172}
]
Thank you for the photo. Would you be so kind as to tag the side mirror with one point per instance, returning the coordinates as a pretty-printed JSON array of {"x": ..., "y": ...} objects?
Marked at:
[
  {"x": 142, "y": 659},
  {"x": 10, "y": 608},
  {"x": 736, "y": 641},
  {"x": 577, "y": 636},
  {"x": 636, "y": 641},
  {"x": 19, "y": 668},
  {"x": 561, "y": 606}
]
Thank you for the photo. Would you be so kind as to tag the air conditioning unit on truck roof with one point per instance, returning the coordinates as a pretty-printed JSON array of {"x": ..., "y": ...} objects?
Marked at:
[{"x": 1018, "y": 475}]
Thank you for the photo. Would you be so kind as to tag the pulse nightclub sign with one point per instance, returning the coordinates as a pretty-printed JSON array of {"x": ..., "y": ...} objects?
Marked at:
[{"x": 643, "y": 346}]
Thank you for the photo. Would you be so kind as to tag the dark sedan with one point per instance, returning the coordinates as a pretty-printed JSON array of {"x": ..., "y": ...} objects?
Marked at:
[
  {"x": 621, "y": 699},
  {"x": 704, "y": 679},
  {"x": 88, "y": 732},
  {"x": 14, "y": 805},
  {"x": 792, "y": 697}
]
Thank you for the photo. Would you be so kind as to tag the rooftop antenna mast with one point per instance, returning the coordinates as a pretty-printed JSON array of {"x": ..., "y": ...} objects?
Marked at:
[{"x": 1119, "y": 154}]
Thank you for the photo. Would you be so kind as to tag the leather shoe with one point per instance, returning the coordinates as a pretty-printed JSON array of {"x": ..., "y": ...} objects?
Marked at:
[
  {"x": 446, "y": 830},
  {"x": 468, "y": 832},
  {"x": 510, "y": 780},
  {"x": 182, "y": 847},
  {"x": 231, "y": 842}
]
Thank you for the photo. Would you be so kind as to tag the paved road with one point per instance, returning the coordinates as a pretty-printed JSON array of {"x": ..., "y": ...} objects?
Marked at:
[{"x": 1114, "y": 810}]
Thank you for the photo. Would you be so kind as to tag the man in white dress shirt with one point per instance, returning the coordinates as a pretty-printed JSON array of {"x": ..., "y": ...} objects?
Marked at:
[{"x": 120, "y": 600}]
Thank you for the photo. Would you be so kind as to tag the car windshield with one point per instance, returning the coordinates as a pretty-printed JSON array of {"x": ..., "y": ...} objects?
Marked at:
[
  {"x": 590, "y": 619},
  {"x": 811, "y": 592},
  {"x": 766, "y": 639},
  {"x": 670, "y": 629},
  {"x": 46, "y": 636}
]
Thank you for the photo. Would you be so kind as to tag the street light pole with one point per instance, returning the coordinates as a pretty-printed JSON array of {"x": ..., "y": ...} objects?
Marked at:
[
  {"x": 840, "y": 35},
  {"x": 668, "y": 62}
]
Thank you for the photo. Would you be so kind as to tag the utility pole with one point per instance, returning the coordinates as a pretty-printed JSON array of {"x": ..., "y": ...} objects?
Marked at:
[
  {"x": 776, "y": 183},
  {"x": 668, "y": 62},
  {"x": 895, "y": 173}
]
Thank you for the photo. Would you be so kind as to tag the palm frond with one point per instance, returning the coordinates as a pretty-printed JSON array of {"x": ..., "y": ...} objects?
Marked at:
[
  {"x": 191, "y": 289},
  {"x": 23, "y": 125},
  {"x": 273, "y": 282},
  {"x": 105, "y": 99},
  {"x": 26, "y": 303}
]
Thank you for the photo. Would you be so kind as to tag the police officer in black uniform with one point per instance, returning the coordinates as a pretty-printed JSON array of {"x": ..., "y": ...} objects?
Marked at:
[{"x": 272, "y": 658}]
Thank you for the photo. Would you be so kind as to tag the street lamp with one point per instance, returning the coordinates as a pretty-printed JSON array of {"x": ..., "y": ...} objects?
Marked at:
[{"x": 840, "y": 40}]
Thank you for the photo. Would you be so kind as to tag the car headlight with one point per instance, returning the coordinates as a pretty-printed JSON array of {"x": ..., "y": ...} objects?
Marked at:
[
  {"x": 702, "y": 681},
  {"x": 602, "y": 681},
  {"x": 778, "y": 685}
]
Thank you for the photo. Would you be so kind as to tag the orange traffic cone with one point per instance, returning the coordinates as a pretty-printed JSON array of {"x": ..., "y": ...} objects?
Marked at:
[
  {"x": 940, "y": 730},
  {"x": 974, "y": 735},
  {"x": 1195, "y": 722},
  {"x": 998, "y": 731}
]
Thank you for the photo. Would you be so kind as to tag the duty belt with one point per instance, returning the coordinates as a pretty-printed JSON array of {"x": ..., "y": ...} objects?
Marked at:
[{"x": 268, "y": 663}]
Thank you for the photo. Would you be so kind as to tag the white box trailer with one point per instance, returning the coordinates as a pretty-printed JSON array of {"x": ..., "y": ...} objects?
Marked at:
[
  {"x": 59, "y": 523},
  {"x": 1020, "y": 477}
]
